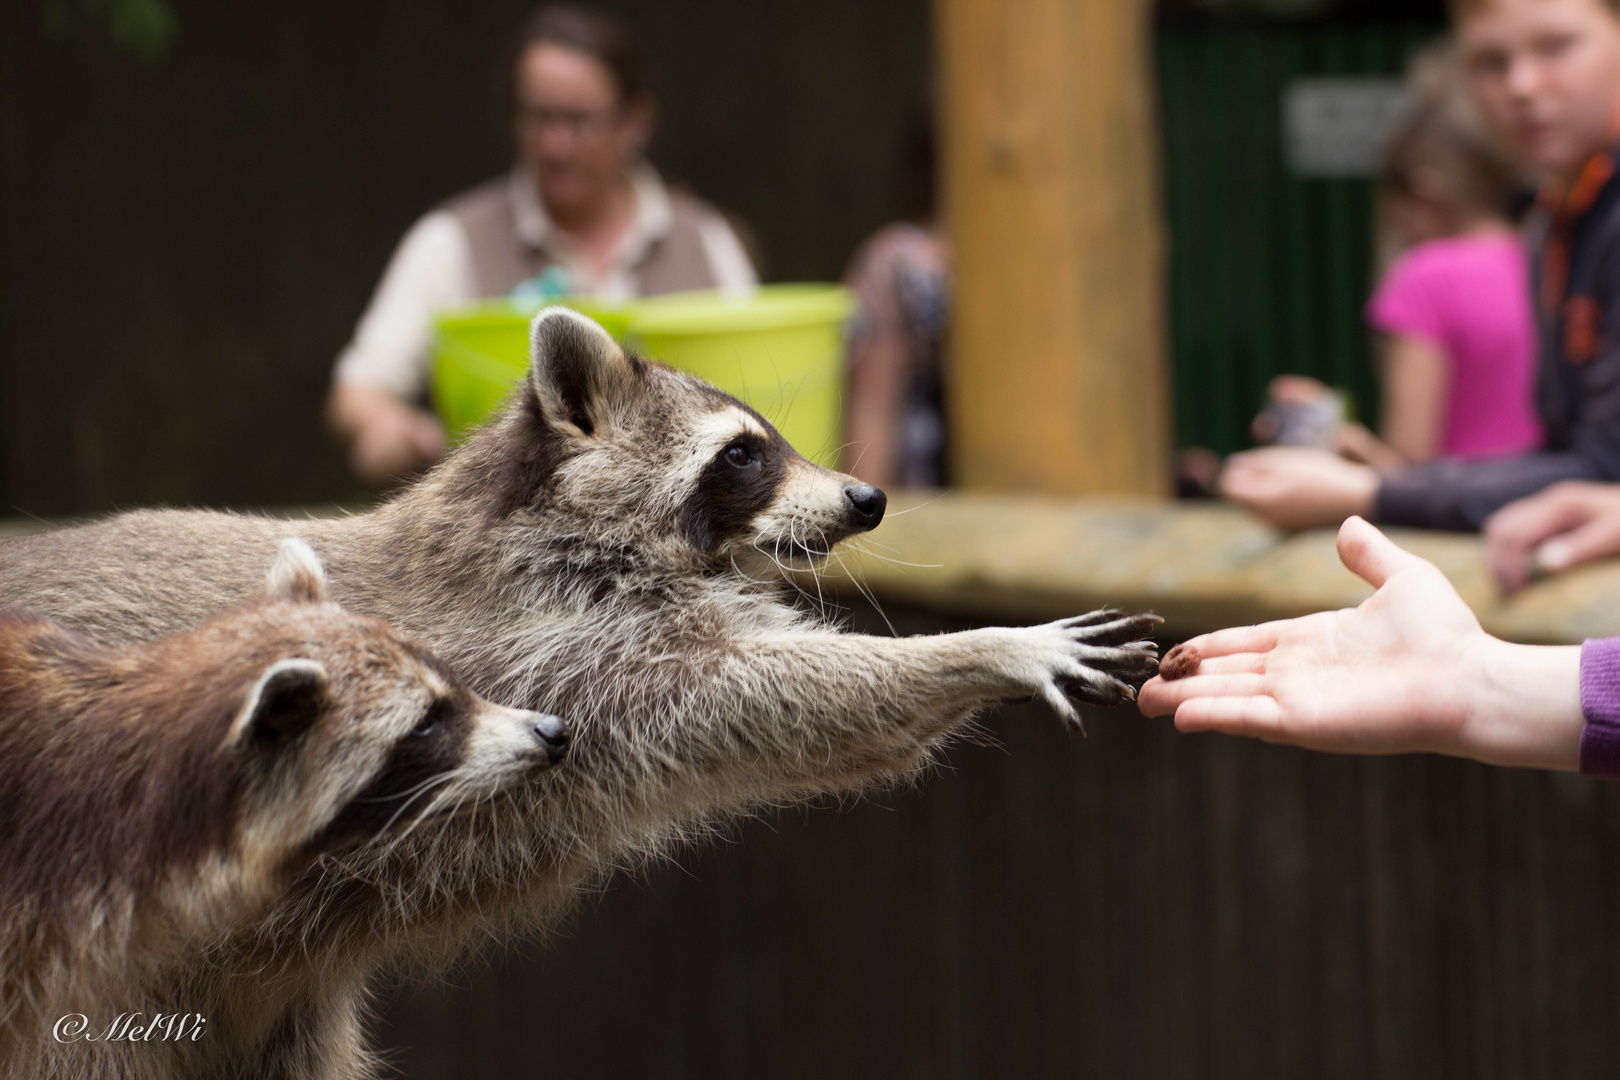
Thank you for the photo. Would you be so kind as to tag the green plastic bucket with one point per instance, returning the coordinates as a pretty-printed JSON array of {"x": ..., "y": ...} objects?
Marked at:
[
  {"x": 781, "y": 350},
  {"x": 481, "y": 352}
]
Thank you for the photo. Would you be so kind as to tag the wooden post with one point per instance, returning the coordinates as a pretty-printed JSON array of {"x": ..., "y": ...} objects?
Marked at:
[{"x": 1057, "y": 379}]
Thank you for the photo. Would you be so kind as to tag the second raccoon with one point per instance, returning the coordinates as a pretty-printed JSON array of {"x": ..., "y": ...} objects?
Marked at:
[{"x": 157, "y": 801}]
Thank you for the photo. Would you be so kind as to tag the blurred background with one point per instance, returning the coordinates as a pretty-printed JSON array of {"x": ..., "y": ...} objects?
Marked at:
[{"x": 197, "y": 199}]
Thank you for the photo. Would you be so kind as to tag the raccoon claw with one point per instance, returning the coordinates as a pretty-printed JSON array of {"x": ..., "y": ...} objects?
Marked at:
[
  {"x": 1110, "y": 627},
  {"x": 1119, "y": 655},
  {"x": 1111, "y": 691}
]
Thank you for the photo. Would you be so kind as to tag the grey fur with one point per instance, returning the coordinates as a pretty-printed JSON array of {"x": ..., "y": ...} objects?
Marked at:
[{"x": 546, "y": 561}]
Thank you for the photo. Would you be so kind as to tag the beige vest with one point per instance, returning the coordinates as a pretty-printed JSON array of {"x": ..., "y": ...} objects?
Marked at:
[{"x": 501, "y": 259}]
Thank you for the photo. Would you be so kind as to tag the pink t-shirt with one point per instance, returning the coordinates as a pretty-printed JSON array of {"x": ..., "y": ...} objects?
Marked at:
[{"x": 1470, "y": 297}]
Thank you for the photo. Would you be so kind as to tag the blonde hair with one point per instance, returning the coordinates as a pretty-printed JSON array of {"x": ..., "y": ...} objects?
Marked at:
[{"x": 1441, "y": 134}]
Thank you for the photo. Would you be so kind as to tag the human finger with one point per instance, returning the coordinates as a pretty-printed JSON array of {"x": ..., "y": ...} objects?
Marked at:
[
  {"x": 1247, "y": 663},
  {"x": 1258, "y": 638},
  {"x": 1371, "y": 555},
  {"x": 1523, "y": 524},
  {"x": 1593, "y": 540},
  {"x": 1514, "y": 531},
  {"x": 1156, "y": 698},
  {"x": 1159, "y": 697},
  {"x": 1252, "y": 714}
]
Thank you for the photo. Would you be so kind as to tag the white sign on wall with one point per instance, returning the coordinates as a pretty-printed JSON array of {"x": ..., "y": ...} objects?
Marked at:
[{"x": 1337, "y": 126}]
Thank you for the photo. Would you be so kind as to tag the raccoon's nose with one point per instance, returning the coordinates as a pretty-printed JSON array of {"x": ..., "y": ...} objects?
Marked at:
[
  {"x": 553, "y": 735},
  {"x": 866, "y": 504}
]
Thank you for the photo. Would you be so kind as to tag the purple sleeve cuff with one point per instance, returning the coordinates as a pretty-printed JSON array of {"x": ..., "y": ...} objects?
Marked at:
[{"x": 1600, "y": 704}]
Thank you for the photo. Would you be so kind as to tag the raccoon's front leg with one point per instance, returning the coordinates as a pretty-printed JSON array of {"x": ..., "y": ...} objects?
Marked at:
[{"x": 856, "y": 694}]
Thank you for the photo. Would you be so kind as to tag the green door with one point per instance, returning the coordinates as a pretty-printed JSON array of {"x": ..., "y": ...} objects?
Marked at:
[{"x": 1268, "y": 271}]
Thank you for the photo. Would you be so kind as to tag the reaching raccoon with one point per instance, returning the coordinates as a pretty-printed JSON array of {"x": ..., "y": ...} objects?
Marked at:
[
  {"x": 158, "y": 801},
  {"x": 608, "y": 549}
]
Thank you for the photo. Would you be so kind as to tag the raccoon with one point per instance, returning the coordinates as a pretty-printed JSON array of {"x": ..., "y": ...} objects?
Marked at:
[
  {"x": 614, "y": 548},
  {"x": 157, "y": 801}
]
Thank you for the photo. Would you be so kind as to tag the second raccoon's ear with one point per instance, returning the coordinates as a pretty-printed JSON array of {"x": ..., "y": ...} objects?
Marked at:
[
  {"x": 579, "y": 374},
  {"x": 297, "y": 576},
  {"x": 283, "y": 704}
]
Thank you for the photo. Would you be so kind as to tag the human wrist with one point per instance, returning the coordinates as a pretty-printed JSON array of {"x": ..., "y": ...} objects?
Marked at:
[{"x": 1524, "y": 705}]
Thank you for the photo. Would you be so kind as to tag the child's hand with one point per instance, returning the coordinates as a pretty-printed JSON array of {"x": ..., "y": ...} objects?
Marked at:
[
  {"x": 1298, "y": 487},
  {"x": 1408, "y": 670}
]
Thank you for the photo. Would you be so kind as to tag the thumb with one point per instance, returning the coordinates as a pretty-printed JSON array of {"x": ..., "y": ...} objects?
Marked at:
[{"x": 1371, "y": 555}]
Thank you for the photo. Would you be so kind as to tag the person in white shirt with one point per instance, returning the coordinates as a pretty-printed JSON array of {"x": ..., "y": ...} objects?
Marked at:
[{"x": 581, "y": 211}]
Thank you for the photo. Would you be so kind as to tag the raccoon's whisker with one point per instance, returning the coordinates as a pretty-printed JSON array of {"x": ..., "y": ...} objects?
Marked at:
[
  {"x": 919, "y": 506},
  {"x": 821, "y": 602},
  {"x": 424, "y": 785},
  {"x": 864, "y": 550},
  {"x": 389, "y": 824},
  {"x": 786, "y": 571},
  {"x": 861, "y": 587}
]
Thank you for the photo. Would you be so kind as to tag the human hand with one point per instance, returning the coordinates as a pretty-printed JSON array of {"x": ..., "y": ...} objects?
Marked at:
[
  {"x": 1409, "y": 670},
  {"x": 1565, "y": 525},
  {"x": 1356, "y": 443},
  {"x": 1298, "y": 487},
  {"x": 388, "y": 438}
]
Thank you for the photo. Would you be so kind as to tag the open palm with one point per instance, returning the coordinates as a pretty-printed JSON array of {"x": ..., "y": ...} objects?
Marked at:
[{"x": 1381, "y": 678}]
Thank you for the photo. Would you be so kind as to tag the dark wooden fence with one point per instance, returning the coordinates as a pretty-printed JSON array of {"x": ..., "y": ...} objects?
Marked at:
[{"x": 1130, "y": 904}]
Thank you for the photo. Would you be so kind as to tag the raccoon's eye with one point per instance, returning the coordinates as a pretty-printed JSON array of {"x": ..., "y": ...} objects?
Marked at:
[
  {"x": 429, "y": 724},
  {"x": 740, "y": 456}
]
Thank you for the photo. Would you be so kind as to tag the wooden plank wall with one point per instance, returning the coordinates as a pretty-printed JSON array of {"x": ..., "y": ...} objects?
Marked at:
[
  {"x": 1133, "y": 904},
  {"x": 1052, "y": 201}
]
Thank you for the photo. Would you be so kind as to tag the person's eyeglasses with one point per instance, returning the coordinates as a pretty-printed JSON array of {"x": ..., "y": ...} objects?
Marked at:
[{"x": 579, "y": 123}]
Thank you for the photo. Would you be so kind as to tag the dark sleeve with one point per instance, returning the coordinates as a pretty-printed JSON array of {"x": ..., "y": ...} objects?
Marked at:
[{"x": 1460, "y": 495}]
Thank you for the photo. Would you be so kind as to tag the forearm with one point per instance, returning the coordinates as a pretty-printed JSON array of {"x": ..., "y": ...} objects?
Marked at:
[
  {"x": 826, "y": 695},
  {"x": 1460, "y": 495}
]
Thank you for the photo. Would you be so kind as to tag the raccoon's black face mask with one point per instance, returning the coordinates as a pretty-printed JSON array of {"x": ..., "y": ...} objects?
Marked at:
[{"x": 757, "y": 497}]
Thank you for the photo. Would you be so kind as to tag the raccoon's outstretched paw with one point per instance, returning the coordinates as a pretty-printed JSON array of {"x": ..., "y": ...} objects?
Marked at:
[
  {"x": 1115, "y": 656},
  {"x": 1096, "y": 659}
]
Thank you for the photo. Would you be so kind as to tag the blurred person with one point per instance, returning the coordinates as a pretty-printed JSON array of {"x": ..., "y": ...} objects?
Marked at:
[
  {"x": 1457, "y": 340},
  {"x": 580, "y": 213},
  {"x": 1409, "y": 671},
  {"x": 893, "y": 402},
  {"x": 1546, "y": 77}
]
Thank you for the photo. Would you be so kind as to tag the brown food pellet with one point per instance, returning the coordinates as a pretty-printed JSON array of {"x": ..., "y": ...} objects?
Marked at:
[{"x": 1179, "y": 662}]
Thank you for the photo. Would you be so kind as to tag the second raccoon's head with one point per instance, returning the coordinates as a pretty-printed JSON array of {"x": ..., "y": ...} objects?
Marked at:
[
  {"x": 660, "y": 461},
  {"x": 352, "y": 732}
]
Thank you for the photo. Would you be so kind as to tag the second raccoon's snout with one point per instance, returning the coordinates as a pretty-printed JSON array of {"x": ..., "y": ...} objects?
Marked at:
[
  {"x": 866, "y": 505},
  {"x": 552, "y": 732}
]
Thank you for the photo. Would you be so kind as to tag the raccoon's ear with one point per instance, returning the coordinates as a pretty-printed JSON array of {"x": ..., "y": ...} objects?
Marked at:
[
  {"x": 283, "y": 704},
  {"x": 297, "y": 576},
  {"x": 577, "y": 371}
]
